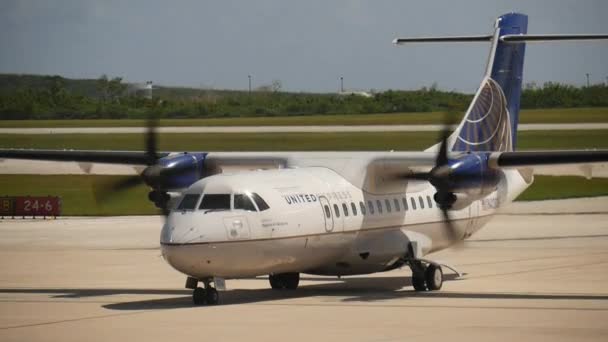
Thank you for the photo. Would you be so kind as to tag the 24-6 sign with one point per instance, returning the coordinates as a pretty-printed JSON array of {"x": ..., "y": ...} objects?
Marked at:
[{"x": 37, "y": 206}]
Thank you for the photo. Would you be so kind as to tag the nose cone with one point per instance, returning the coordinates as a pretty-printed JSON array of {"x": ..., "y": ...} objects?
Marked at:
[
  {"x": 187, "y": 242},
  {"x": 181, "y": 228}
]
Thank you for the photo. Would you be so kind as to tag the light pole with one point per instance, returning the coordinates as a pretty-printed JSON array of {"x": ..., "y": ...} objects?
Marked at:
[
  {"x": 249, "y": 77},
  {"x": 587, "y": 79},
  {"x": 341, "y": 84}
]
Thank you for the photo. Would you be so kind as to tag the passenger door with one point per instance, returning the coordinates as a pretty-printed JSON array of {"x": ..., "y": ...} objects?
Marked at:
[{"x": 327, "y": 213}]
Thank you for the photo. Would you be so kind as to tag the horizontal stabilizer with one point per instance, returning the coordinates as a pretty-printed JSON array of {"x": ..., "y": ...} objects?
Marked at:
[
  {"x": 528, "y": 38},
  {"x": 445, "y": 39},
  {"x": 507, "y": 38}
]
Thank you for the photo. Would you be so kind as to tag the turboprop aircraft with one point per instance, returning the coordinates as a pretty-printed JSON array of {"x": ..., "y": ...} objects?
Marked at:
[{"x": 231, "y": 215}]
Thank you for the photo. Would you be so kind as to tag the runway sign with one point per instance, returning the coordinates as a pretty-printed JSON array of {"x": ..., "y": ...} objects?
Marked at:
[
  {"x": 7, "y": 206},
  {"x": 37, "y": 206}
]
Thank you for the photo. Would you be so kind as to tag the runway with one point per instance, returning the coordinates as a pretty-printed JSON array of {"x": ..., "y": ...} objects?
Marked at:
[
  {"x": 285, "y": 129},
  {"x": 537, "y": 272}
]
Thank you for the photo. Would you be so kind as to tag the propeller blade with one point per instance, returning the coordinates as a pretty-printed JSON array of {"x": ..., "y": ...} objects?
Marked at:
[
  {"x": 449, "y": 224},
  {"x": 152, "y": 140},
  {"x": 104, "y": 190},
  {"x": 423, "y": 176},
  {"x": 442, "y": 155}
]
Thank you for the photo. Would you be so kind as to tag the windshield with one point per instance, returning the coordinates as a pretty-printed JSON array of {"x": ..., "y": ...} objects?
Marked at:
[
  {"x": 215, "y": 202},
  {"x": 188, "y": 202},
  {"x": 259, "y": 201},
  {"x": 243, "y": 202}
]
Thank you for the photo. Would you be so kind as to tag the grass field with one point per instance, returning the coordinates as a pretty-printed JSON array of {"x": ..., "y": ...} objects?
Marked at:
[
  {"x": 78, "y": 197},
  {"x": 553, "y": 187},
  {"x": 565, "y": 115},
  {"x": 366, "y": 141}
]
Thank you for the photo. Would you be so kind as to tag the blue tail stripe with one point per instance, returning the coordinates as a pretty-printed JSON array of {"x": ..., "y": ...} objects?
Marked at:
[{"x": 508, "y": 66}]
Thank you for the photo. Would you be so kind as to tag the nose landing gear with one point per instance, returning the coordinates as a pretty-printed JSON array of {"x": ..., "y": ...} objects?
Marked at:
[{"x": 201, "y": 296}]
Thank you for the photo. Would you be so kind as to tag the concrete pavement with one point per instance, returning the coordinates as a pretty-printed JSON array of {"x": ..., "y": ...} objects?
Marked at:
[{"x": 539, "y": 271}]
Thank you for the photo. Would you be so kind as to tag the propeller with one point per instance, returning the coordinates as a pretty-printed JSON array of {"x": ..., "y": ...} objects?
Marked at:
[
  {"x": 151, "y": 175},
  {"x": 441, "y": 177}
]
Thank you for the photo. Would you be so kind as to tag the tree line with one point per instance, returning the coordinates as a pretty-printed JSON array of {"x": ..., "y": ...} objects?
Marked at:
[{"x": 53, "y": 97}]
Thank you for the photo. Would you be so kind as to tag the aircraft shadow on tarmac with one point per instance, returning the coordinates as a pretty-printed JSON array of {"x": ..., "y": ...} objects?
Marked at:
[{"x": 353, "y": 289}]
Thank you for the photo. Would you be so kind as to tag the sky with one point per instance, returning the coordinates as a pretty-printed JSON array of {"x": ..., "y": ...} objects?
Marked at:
[{"x": 307, "y": 45}]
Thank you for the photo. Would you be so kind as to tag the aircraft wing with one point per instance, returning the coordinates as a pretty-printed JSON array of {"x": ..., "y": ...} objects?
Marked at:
[
  {"x": 81, "y": 156},
  {"x": 496, "y": 160}
]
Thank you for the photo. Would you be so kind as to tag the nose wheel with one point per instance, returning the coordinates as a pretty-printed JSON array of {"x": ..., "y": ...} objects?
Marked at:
[{"x": 201, "y": 296}]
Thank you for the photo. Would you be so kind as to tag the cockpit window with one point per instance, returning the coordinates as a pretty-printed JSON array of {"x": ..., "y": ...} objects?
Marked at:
[
  {"x": 215, "y": 201},
  {"x": 243, "y": 202},
  {"x": 260, "y": 202},
  {"x": 188, "y": 202}
]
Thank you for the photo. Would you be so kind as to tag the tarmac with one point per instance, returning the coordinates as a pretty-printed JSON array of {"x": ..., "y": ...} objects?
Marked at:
[
  {"x": 538, "y": 271},
  {"x": 287, "y": 129}
]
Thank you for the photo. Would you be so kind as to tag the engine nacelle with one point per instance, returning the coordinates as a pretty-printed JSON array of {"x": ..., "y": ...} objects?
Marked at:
[
  {"x": 175, "y": 172},
  {"x": 470, "y": 174}
]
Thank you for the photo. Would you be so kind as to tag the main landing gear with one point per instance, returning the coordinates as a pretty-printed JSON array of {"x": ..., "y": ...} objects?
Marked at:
[
  {"x": 284, "y": 281},
  {"x": 426, "y": 277},
  {"x": 201, "y": 296}
]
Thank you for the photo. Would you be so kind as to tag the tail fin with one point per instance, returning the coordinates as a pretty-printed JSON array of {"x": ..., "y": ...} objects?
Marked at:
[{"x": 490, "y": 123}]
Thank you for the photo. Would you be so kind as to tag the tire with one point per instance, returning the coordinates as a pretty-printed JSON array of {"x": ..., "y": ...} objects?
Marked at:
[
  {"x": 213, "y": 297},
  {"x": 434, "y": 277},
  {"x": 284, "y": 281},
  {"x": 291, "y": 280},
  {"x": 276, "y": 282},
  {"x": 199, "y": 296},
  {"x": 418, "y": 283}
]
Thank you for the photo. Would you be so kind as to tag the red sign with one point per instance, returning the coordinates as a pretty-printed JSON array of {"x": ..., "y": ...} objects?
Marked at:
[{"x": 37, "y": 206}]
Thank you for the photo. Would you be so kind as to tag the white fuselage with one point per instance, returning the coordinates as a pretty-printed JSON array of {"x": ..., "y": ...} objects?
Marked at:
[{"x": 316, "y": 222}]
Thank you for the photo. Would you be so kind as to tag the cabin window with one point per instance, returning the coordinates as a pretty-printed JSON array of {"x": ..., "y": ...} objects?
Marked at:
[
  {"x": 243, "y": 202},
  {"x": 429, "y": 201},
  {"x": 336, "y": 210},
  {"x": 353, "y": 207},
  {"x": 259, "y": 201},
  {"x": 413, "y": 201},
  {"x": 370, "y": 205},
  {"x": 388, "y": 205},
  {"x": 379, "y": 204},
  {"x": 362, "y": 206},
  {"x": 421, "y": 202},
  {"x": 327, "y": 211},
  {"x": 189, "y": 202},
  {"x": 215, "y": 202},
  {"x": 345, "y": 209},
  {"x": 404, "y": 202},
  {"x": 396, "y": 202}
]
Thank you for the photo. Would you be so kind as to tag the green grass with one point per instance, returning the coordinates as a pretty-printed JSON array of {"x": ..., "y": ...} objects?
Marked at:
[
  {"x": 566, "y": 115},
  {"x": 364, "y": 141},
  {"x": 77, "y": 193},
  {"x": 553, "y": 187},
  {"x": 78, "y": 197}
]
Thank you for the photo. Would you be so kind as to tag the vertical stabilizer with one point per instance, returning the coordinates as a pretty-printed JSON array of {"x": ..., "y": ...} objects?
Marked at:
[{"x": 490, "y": 123}]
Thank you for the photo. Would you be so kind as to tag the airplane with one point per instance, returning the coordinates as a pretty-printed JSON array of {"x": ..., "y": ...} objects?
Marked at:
[{"x": 236, "y": 214}]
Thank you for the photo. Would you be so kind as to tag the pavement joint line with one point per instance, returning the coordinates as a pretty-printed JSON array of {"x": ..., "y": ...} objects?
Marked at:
[
  {"x": 561, "y": 256},
  {"x": 537, "y": 270},
  {"x": 73, "y": 320},
  {"x": 388, "y": 306}
]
